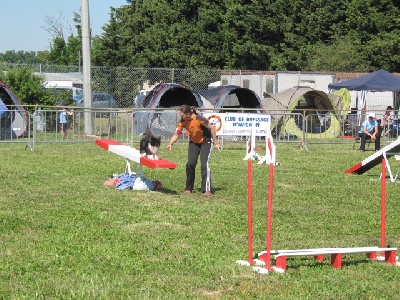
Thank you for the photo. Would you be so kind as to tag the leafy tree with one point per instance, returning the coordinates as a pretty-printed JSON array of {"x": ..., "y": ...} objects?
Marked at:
[
  {"x": 315, "y": 35},
  {"x": 26, "y": 85},
  {"x": 342, "y": 55},
  {"x": 163, "y": 34},
  {"x": 58, "y": 52},
  {"x": 73, "y": 51},
  {"x": 11, "y": 56},
  {"x": 253, "y": 34},
  {"x": 106, "y": 48},
  {"x": 43, "y": 57},
  {"x": 64, "y": 51}
]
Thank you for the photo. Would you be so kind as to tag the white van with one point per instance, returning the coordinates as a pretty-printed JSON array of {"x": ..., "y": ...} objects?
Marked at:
[{"x": 75, "y": 90}]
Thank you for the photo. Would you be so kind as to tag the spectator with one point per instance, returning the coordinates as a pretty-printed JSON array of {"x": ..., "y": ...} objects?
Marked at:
[
  {"x": 370, "y": 129},
  {"x": 388, "y": 120},
  {"x": 64, "y": 113}
]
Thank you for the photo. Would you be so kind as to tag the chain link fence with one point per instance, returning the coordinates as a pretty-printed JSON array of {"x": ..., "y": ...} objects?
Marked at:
[
  {"x": 43, "y": 126},
  {"x": 125, "y": 83}
]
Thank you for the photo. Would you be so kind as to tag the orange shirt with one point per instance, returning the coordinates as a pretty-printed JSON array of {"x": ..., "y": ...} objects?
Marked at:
[{"x": 197, "y": 129}]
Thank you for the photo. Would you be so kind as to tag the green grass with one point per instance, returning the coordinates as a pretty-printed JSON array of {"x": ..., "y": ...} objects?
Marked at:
[{"x": 63, "y": 235}]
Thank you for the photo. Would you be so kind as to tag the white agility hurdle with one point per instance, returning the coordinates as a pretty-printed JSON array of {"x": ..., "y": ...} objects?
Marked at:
[{"x": 262, "y": 264}]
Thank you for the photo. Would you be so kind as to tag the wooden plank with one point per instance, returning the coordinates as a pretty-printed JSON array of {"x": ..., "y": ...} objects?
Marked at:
[
  {"x": 375, "y": 159},
  {"x": 336, "y": 255},
  {"x": 275, "y": 252},
  {"x": 336, "y": 250}
]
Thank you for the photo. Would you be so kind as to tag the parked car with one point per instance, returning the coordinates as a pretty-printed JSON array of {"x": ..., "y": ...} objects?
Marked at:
[{"x": 100, "y": 100}]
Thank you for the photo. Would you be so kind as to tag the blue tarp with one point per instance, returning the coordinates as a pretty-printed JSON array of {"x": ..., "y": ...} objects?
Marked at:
[{"x": 378, "y": 81}]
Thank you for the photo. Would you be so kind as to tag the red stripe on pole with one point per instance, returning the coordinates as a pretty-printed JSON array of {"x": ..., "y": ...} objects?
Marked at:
[
  {"x": 383, "y": 204},
  {"x": 269, "y": 216},
  {"x": 250, "y": 211},
  {"x": 353, "y": 168},
  {"x": 270, "y": 146}
]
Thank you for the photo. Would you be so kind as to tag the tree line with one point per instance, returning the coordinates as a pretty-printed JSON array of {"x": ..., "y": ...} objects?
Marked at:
[
  {"x": 280, "y": 35},
  {"x": 297, "y": 35}
]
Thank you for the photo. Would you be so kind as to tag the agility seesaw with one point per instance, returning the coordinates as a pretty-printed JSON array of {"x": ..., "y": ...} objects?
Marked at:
[
  {"x": 133, "y": 155},
  {"x": 375, "y": 159}
]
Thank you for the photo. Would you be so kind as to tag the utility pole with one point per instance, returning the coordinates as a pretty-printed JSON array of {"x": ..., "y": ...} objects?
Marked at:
[
  {"x": 87, "y": 78},
  {"x": 79, "y": 61}
]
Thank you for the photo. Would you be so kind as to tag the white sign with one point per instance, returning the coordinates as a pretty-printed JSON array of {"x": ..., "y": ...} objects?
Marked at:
[{"x": 240, "y": 123}]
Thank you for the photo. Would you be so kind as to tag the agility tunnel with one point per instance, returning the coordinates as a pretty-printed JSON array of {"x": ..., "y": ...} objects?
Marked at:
[{"x": 13, "y": 117}]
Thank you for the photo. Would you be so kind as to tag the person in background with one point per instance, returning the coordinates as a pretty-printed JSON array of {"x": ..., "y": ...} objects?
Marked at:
[
  {"x": 3, "y": 113},
  {"x": 388, "y": 120},
  {"x": 5, "y": 121},
  {"x": 3, "y": 108},
  {"x": 203, "y": 138},
  {"x": 370, "y": 129},
  {"x": 64, "y": 113}
]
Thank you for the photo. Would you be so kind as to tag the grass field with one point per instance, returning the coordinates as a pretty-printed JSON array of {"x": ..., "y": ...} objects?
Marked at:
[{"x": 63, "y": 235}]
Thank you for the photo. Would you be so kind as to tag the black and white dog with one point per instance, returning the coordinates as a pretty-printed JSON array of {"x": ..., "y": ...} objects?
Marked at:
[{"x": 149, "y": 145}]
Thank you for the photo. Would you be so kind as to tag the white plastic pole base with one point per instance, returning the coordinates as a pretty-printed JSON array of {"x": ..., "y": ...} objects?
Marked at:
[
  {"x": 243, "y": 263},
  {"x": 264, "y": 271}
]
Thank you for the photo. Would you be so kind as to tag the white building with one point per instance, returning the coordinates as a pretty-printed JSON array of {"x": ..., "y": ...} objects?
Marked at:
[{"x": 275, "y": 82}]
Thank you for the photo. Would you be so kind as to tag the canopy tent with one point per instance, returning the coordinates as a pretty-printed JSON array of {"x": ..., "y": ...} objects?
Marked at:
[
  {"x": 378, "y": 81},
  {"x": 164, "y": 95},
  {"x": 230, "y": 96},
  {"x": 13, "y": 117},
  {"x": 318, "y": 105}
]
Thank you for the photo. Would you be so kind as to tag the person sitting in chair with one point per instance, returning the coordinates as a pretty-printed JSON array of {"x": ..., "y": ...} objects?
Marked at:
[{"x": 370, "y": 130}]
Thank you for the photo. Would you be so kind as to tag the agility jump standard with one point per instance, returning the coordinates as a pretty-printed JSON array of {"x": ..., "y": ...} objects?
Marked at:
[
  {"x": 264, "y": 257},
  {"x": 133, "y": 155},
  {"x": 268, "y": 158}
]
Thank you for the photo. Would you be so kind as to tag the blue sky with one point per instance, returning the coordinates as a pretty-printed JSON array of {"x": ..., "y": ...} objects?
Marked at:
[{"x": 21, "y": 21}]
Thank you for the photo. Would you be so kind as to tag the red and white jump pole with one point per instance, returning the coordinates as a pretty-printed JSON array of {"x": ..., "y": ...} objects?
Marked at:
[
  {"x": 250, "y": 212},
  {"x": 268, "y": 158},
  {"x": 383, "y": 204},
  {"x": 271, "y": 148}
]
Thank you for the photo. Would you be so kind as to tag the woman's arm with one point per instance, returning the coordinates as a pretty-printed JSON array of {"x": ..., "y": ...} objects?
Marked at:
[{"x": 173, "y": 139}]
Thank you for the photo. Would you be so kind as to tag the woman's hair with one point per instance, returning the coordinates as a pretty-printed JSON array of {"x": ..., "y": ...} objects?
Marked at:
[{"x": 186, "y": 109}]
